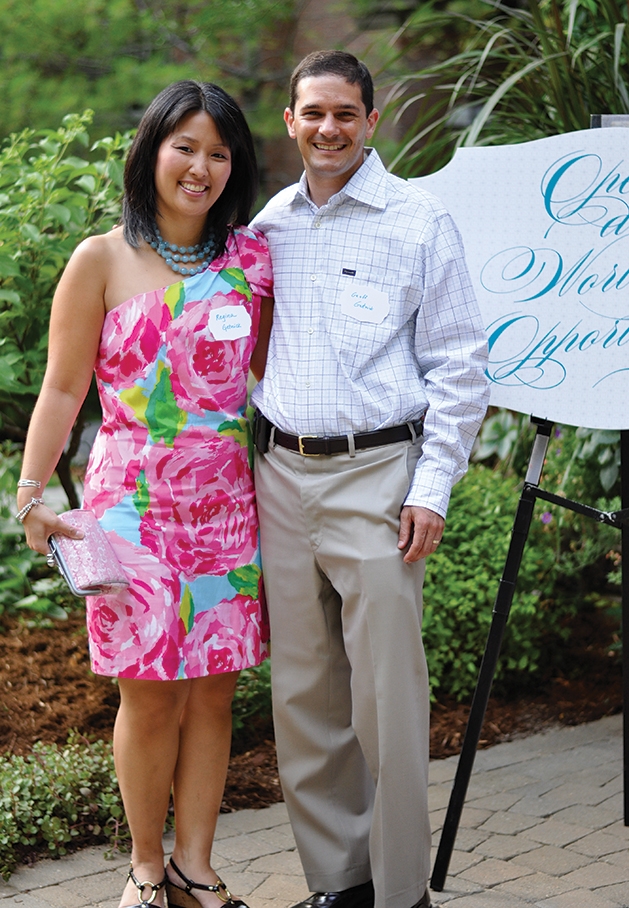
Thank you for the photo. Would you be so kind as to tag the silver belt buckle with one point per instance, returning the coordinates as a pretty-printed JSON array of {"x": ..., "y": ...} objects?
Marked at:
[{"x": 301, "y": 446}]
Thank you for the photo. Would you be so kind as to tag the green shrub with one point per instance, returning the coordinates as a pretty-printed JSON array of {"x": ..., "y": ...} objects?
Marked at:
[
  {"x": 50, "y": 200},
  {"x": 579, "y": 461},
  {"x": 251, "y": 713},
  {"x": 580, "y": 464},
  {"x": 461, "y": 583},
  {"x": 26, "y": 581},
  {"x": 516, "y": 74},
  {"x": 56, "y": 798},
  {"x": 462, "y": 580}
]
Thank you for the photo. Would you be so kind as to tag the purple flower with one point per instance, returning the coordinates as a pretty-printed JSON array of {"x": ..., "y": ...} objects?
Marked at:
[{"x": 547, "y": 517}]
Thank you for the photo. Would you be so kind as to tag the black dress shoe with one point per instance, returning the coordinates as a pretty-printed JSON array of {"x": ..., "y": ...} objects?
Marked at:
[
  {"x": 424, "y": 901},
  {"x": 357, "y": 897}
]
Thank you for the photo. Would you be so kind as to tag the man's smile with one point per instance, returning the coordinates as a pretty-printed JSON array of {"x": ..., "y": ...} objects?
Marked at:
[{"x": 328, "y": 146}]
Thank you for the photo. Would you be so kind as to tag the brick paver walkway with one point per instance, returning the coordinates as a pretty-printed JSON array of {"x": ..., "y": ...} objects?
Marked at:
[{"x": 542, "y": 826}]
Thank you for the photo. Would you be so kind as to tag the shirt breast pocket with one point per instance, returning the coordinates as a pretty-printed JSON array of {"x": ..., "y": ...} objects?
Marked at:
[{"x": 363, "y": 316}]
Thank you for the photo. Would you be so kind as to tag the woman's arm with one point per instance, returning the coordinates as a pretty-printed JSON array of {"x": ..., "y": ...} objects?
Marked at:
[
  {"x": 258, "y": 357},
  {"x": 76, "y": 321}
]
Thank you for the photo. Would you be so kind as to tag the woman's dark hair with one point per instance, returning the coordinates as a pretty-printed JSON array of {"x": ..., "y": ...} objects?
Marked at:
[
  {"x": 335, "y": 63},
  {"x": 163, "y": 115}
]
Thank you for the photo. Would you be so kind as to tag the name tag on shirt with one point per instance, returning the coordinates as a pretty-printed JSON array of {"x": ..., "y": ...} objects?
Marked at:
[
  {"x": 230, "y": 323},
  {"x": 365, "y": 303}
]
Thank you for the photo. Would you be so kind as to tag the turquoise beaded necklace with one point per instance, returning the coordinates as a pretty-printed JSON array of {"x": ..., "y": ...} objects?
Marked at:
[{"x": 177, "y": 257}]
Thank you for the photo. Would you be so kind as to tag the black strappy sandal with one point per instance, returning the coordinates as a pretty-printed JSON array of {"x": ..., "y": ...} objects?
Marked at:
[
  {"x": 181, "y": 897},
  {"x": 141, "y": 886}
]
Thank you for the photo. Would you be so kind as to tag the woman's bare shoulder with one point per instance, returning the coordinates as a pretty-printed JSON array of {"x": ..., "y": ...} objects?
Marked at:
[
  {"x": 98, "y": 263},
  {"x": 100, "y": 249}
]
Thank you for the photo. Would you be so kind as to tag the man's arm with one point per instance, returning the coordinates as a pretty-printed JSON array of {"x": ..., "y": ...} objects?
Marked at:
[{"x": 451, "y": 350}]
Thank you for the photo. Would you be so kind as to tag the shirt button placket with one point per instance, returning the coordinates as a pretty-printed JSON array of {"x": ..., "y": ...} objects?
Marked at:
[{"x": 318, "y": 243}]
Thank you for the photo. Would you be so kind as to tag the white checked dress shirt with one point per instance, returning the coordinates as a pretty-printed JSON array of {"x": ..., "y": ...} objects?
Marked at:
[{"x": 375, "y": 321}]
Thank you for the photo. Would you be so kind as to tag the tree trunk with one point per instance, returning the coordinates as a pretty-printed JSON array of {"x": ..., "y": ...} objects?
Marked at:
[
  {"x": 63, "y": 468},
  {"x": 65, "y": 478}
]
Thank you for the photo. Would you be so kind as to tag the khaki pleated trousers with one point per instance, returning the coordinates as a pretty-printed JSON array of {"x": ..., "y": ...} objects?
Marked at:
[{"x": 349, "y": 677}]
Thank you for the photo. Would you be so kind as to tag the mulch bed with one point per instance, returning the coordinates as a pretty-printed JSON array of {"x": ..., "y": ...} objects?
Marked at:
[{"x": 47, "y": 689}]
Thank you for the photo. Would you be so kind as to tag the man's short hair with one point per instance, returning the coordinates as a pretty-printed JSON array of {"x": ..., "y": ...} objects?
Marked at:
[{"x": 336, "y": 63}]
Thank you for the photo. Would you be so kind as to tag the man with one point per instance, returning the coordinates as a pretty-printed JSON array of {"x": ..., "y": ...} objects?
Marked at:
[{"x": 373, "y": 393}]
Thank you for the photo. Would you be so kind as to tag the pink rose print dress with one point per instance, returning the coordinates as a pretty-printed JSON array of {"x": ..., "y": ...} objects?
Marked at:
[{"x": 169, "y": 476}]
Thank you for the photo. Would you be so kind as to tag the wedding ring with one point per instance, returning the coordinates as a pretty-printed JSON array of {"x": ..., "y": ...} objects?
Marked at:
[{"x": 436, "y": 541}]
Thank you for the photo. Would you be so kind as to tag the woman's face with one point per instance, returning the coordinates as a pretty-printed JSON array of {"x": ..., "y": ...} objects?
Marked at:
[{"x": 192, "y": 168}]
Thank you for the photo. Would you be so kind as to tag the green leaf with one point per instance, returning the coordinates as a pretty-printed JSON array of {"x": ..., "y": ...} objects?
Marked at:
[
  {"x": 31, "y": 232},
  {"x": 238, "y": 429},
  {"x": 236, "y": 278},
  {"x": 42, "y": 605},
  {"x": 609, "y": 476},
  {"x": 7, "y": 374},
  {"x": 246, "y": 580},
  {"x": 8, "y": 268},
  {"x": 87, "y": 182},
  {"x": 59, "y": 213},
  {"x": 141, "y": 497},
  {"x": 186, "y": 609},
  {"x": 115, "y": 171},
  {"x": 10, "y": 296},
  {"x": 165, "y": 419}
]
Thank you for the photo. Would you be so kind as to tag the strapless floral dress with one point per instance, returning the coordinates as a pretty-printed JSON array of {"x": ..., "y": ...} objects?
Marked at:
[{"x": 170, "y": 477}]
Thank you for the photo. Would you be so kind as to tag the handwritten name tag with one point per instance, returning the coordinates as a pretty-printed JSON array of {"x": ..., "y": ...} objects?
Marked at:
[
  {"x": 230, "y": 323},
  {"x": 365, "y": 303}
]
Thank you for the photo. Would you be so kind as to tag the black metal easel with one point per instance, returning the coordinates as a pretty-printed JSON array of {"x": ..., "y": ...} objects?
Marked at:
[
  {"x": 504, "y": 598},
  {"x": 502, "y": 606}
]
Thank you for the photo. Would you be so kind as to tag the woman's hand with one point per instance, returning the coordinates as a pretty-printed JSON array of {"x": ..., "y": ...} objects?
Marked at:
[{"x": 40, "y": 523}]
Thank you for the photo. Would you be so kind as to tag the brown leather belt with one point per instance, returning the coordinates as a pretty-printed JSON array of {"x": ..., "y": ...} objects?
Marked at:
[{"x": 317, "y": 445}]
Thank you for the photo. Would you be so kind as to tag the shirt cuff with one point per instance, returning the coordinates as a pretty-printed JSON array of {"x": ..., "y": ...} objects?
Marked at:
[{"x": 430, "y": 488}]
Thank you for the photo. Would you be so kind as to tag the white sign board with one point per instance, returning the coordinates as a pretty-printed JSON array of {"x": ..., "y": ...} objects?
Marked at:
[{"x": 546, "y": 232}]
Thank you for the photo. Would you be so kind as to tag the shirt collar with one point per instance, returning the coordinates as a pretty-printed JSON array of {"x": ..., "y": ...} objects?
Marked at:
[{"x": 367, "y": 185}]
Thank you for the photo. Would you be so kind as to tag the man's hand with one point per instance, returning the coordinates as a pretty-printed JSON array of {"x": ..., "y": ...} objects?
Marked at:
[{"x": 421, "y": 528}]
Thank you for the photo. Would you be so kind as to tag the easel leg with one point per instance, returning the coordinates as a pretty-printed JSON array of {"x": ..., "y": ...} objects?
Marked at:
[
  {"x": 501, "y": 610},
  {"x": 624, "y": 503}
]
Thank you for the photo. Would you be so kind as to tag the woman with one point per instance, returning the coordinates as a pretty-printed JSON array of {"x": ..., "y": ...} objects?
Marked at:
[{"x": 166, "y": 309}]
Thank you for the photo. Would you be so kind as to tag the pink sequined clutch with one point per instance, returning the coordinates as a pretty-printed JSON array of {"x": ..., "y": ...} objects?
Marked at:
[{"x": 89, "y": 565}]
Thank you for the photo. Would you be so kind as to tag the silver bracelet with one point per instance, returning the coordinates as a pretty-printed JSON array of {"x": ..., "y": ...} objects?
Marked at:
[
  {"x": 21, "y": 514},
  {"x": 29, "y": 484}
]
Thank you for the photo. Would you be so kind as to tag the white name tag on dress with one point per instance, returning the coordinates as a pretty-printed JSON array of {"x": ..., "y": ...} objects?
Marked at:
[
  {"x": 365, "y": 303},
  {"x": 230, "y": 323}
]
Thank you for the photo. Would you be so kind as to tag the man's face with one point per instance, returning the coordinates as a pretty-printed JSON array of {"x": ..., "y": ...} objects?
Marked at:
[{"x": 331, "y": 126}]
